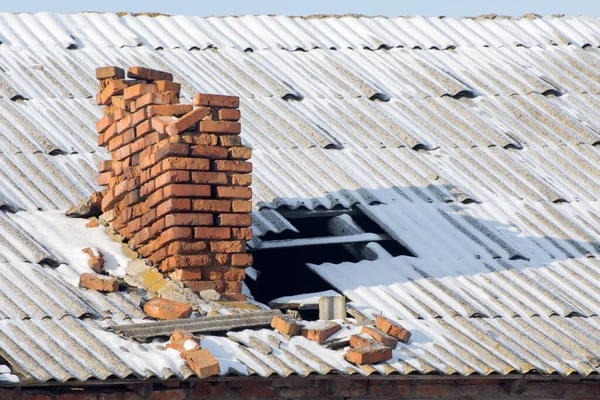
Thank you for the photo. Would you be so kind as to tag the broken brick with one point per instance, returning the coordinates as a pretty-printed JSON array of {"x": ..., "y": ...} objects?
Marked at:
[
  {"x": 369, "y": 354},
  {"x": 167, "y": 309},
  {"x": 286, "y": 325},
  {"x": 95, "y": 260},
  {"x": 98, "y": 282},
  {"x": 148, "y": 74},
  {"x": 203, "y": 363},
  {"x": 380, "y": 336},
  {"x": 392, "y": 328},
  {"x": 320, "y": 334}
]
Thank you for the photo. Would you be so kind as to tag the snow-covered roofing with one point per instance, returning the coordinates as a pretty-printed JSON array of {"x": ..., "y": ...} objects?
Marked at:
[{"x": 474, "y": 142}]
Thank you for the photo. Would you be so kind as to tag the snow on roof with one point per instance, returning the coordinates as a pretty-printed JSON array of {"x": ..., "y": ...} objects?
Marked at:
[{"x": 474, "y": 142}]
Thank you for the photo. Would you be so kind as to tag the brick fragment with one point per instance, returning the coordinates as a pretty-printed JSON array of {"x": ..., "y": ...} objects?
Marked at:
[
  {"x": 233, "y": 297},
  {"x": 215, "y": 100},
  {"x": 98, "y": 282},
  {"x": 230, "y": 140},
  {"x": 203, "y": 363},
  {"x": 168, "y": 110},
  {"x": 286, "y": 325},
  {"x": 184, "y": 342},
  {"x": 392, "y": 328},
  {"x": 380, "y": 336},
  {"x": 188, "y": 274},
  {"x": 91, "y": 224},
  {"x": 220, "y": 127},
  {"x": 167, "y": 309},
  {"x": 241, "y": 233},
  {"x": 95, "y": 258},
  {"x": 368, "y": 355},
  {"x": 321, "y": 333},
  {"x": 148, "y": 74},
  {"x": 227, "y": 114},
  {"x": 110, "y": 72},
  {"x": 188, "y": 120},
  {"x": 362, "y": 341}
]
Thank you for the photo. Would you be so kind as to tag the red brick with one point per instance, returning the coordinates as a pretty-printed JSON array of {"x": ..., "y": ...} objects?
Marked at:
[
  {"x": 148, "y": 99},
  {"x": 221, "y": 127},
  {"x": 239, "y": 153},
  {"x": 210, "y": 152},
  {"x": 241, "y": 206},
  {"x": 392, "y": 328},
  {"x": 230, "y": 287},
  {"x": 188, "y": 274},
  {"x": 215, "y": 100},
  {"x": 214, "y": 178},
  {"x": 242, "y": 220},
  {"x": 286, "y": 325},
  {"x": 119, "y": 102},
  {"x": 172, "y": 177},
  {"x": 168, "y": 86},
  {"x": 241, "y": 260},
  {"x": 105, "y": 165},
  {"x": 187, "y": 248},
  {"x": 233, "y": 192},
  {"x": 110, "y": 72},
  {"x": 168, "y": 110},
  {"x": 211, "y": 205},
  {"x": 321, "y": 334},
  {"x": 186, "y": 190},
  {"x": 230, "y": 140},
  {"x": 198, "y": 286},
  {"x": 133, "y": 92},
  {"x": 229, "y": 114},
  {"x": 203, "y": 363},
  {"x": 167, "y": 309},
  {"x": 380, "y": 336},
  {"x": 194, "y": 219},
  {"x": 233, "y": 297},
  {"x": 188, "y": 120},
  {"x": 138, "y": 117},
  {"x": 240, "y": 179},
  {"x": 228, "y": 246},
  {"x": 209, "y": 233},
  {"x": 104, "y": 177},
  {"x": 98, "y": 282},
  {"x": 185, "y": 261},
  {"x": 231, "y": 166},
  {"x": 361, "y": 341},
  {"x": 116, "y": 86},
  {"x": 173, "y": 205},
  {"x": 369, "y": 354},
  {"x": 148, "y": 74},
  {"x": 143, "y": 128},
  {"x": 175, "y": 233},
  {"x": 104, "y": 122},
  {"x": 124, "y": 123},
  {"x": 185, "y": 163},
  {"x": 222, "y": 273}
]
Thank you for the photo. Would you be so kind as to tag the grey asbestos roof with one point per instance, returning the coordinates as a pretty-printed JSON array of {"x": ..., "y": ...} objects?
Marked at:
[{"x": 474, "y": 142}]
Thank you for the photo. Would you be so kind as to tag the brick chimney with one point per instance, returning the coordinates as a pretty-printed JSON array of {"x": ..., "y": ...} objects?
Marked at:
[{"x": 177, "y": 187}]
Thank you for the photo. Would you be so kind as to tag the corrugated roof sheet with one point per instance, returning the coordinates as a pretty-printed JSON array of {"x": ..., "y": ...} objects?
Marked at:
[{"x": 485, "y": 129}]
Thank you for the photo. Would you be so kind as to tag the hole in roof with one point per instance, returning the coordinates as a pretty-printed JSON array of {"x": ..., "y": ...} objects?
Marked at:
[
  {"x": 512, "y": 146},
  {"x": 323, "y": 237}
]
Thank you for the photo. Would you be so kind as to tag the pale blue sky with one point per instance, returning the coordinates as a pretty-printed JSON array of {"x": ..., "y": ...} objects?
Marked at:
[{"x": 453, "y": 8}]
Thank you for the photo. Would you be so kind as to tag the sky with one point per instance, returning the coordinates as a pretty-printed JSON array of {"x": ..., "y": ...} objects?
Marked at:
[{"x": 450, "y": 8}]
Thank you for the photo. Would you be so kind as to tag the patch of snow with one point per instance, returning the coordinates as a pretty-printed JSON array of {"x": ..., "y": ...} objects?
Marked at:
[
  {"x": 9, "y": 378},
  {"x": 189, "y": 344},
  {"x": 67, "y": 237},
  {"x": 223, "y": 349},
  {"x": 252, "y": 273},
  {"x": 4, "y": 369},
  {"x": 305, "y": 299}
]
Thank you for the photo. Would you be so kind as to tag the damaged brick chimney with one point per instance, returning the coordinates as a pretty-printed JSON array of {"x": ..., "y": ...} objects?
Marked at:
[{"x": 177, "y": 186}]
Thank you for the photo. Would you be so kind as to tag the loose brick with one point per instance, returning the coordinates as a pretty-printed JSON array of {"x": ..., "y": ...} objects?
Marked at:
[
  {"x": 188, "y": 120},
  {"x": 392, "y": 328},
  {"x": 215, "y": 100},
  {"x": 220, "y": 127},
  {"x": 168, "y": 86},
  {"x": 203, "y": 363},
  {"x": 98, "y": 282},
  {"x": 210, "y": 152},
  {"x": 362, "y": 341},
  {"x": 368, "y": 355},
  {"x": 242, "y": 260},
  {"x": 119, "y": 102},
  {"x": 110, "y": 72},
  {"x": 184, "y": 342},
  {"x": 149, "y": 99},
  {"x": 286, "y": 325},
  {"x": 210, "y": 233},
  {"x": 133, "y": 92},
  {"x": 241, "y": 220},
  {"x": 199, "y": 286},
  {"x": 233, "y": 192},
  {"x": 167, "y": 309},
  {"x": 233, "y": 297},
  {"x": 116, "y": 86},
  {"x": 380, "y": 336},
  {"x": 212, "y": 205},
  {"x": 95, "y": 259},
  {"x": 168, "y": 110},
  {"x": 231, "y": 166},
  {"x": 148, "y": 74},
  {"x": 320, "y": 334},
  {"x": 227, "y": 114}
]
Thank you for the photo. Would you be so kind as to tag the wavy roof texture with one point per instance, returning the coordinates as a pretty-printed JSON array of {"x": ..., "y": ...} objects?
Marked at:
[{"x": 474, "y": 142}]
